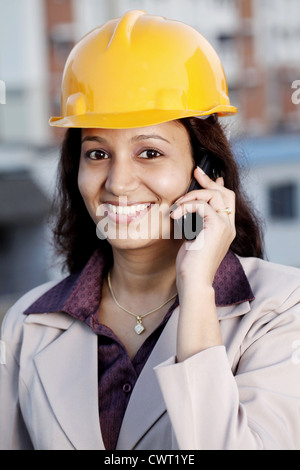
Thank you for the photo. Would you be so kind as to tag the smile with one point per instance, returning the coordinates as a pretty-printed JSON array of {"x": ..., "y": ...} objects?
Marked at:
[{"x": 132, "y": 210}]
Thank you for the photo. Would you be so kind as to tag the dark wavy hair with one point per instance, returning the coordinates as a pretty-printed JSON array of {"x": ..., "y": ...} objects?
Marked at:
[{"x": 74, "y": 231}]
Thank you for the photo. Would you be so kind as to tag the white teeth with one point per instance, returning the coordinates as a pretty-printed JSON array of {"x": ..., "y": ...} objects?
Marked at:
[{"x": 127, "y": 210}]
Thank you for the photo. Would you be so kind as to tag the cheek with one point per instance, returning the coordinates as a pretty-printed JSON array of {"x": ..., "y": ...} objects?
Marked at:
[
  {"x": 82, "y": 183},
  {"x": 173, "y": 184},
  {"x": 87, "y": 185}
]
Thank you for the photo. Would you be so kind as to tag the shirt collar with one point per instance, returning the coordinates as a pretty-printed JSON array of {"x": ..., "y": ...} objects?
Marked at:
[{"x": 80, "y": 294}]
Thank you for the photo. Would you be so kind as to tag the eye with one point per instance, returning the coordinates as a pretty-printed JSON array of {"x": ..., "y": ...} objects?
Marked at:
[
  {"x": 96, "y": 155},
  {"x": 150, "y": 154}
]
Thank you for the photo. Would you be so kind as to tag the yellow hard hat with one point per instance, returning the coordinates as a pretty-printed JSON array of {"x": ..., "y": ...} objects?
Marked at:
[{"x": 140, "y": 70}]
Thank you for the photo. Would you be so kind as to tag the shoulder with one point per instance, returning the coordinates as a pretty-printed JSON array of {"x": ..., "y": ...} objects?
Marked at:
[
  {"x": 271, "y": 282},
  {"x": 254, "y": 266},
  {"x": 14, "y": 318}
]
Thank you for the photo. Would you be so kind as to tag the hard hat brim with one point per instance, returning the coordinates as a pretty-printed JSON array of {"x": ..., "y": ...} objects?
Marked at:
[{"x": 134, "y": 119}]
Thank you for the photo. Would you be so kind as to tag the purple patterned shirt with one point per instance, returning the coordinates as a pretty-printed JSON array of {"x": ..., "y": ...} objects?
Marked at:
[{"x": 79, "y": 295}]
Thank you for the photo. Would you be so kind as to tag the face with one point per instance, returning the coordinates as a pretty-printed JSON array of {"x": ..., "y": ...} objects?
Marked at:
[{"x": 129, "y": 179}]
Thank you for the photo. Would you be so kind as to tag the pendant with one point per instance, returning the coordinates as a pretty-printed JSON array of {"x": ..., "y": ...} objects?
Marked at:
[{"x": 139, "y": 327}]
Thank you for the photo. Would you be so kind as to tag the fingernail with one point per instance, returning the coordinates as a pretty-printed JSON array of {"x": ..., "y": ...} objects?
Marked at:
[{"x": 201, "y": 171}]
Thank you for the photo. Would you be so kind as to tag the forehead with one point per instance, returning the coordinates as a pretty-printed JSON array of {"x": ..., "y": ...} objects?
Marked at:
[{"x": 171, "y": 132}]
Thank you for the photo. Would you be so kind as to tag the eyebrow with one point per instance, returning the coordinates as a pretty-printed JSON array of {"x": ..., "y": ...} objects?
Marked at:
[
  {"x": 94, "y": 138},
  {"x": 138, "y": 138}
]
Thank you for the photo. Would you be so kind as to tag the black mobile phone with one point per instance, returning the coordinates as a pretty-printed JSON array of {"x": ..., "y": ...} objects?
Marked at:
[{"x": 191, "y": 223}]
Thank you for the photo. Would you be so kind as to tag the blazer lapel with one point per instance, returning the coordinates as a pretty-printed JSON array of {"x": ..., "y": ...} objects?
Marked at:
[
  {"x": 146, "y": 399},
  {"x": 67, "y": 368},
  {"x": 68, "y": 371}
]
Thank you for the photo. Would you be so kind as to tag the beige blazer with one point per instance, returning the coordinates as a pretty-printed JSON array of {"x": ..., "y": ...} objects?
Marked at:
[{"x": 244, "y": 395}]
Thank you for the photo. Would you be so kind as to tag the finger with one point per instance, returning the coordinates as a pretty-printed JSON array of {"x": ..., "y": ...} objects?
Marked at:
[
  {"x": 209, "y": 215},
  {"x": 199, "y": 194},
  {"x": 219, "y": 194},
  {"x": 192, "y": 206},
  {"x": 202, "y": 207},
  {"x": 205, "y": 181},
  {"x": 208, "y": 203},
  {"x": 222, "y": 200},
  {"x": 202, "y": 177},
  {"x": 220, "y": 181}
]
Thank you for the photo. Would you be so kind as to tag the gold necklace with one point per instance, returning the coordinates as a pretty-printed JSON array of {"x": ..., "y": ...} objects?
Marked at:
[{"x": 139, "y": 327}]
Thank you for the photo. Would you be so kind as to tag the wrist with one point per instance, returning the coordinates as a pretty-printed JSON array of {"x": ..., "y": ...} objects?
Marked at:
[
  {"x": 196, "y": 294},
  {"x": 198, "y": 327}
]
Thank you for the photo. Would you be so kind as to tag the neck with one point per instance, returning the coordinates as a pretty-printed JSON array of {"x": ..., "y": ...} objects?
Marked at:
[{"x": 144, "y": 270}]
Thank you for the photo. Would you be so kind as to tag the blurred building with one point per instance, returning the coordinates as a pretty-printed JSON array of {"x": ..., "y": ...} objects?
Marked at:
[
  {"x": 271, "y": 177},
  {"x": 28, "y": 153},
  {"x": 258, "y": 42}
]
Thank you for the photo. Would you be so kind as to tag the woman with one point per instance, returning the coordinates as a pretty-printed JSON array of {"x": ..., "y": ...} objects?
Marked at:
[{"x": 152, "y": 341}]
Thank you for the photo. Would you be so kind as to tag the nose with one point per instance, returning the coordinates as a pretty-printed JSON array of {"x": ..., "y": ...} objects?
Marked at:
[{"x": 121, "y": 179}]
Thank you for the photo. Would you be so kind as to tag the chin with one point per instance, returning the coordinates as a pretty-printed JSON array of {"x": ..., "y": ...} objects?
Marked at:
[{"x": 138, "y": 240}]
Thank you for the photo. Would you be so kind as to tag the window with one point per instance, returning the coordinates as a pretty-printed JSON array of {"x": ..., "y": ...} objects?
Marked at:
[{"x": 283, "y": 201}]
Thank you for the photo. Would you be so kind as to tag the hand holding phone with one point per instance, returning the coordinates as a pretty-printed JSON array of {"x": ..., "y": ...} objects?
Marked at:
[{"x": 191, "y": 223}]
